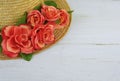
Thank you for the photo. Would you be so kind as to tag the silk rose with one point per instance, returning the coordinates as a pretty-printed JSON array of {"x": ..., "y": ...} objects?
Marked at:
[
  {"x": 50, "y": 13},
  {"x": 42, "y": 35},
  {"x": 35, "y": 17},
  {"x": 16, "y": 39}
]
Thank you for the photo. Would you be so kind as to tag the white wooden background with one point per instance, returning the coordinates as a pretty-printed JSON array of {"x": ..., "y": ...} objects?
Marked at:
[{"x": 89, "y": 52}]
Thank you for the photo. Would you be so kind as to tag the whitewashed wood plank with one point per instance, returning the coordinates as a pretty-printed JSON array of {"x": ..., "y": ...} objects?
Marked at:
[
  {"x": 95, "y": 21},
  {"x": 76, "y": 63}
]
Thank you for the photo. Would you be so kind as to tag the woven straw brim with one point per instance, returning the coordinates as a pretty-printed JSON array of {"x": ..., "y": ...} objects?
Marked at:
[{"x": 16, "y": 8}]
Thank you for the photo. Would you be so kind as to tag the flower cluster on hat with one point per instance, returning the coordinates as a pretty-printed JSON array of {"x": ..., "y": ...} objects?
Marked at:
[{"x": 36, "y": 33}]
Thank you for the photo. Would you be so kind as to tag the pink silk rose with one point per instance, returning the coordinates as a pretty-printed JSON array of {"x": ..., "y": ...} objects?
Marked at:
[
  {"x": 42, "y": 35},
  {"x": 35, "y": 17},
  {"x": 37, "y": 41},
  {"x": 50, "y": 13},
  {"x": 48, "y": 34},
  {"x": 64, "y": 18},
  {"x": 16, "y": 39},
  {"x": 63, "y": 21}
]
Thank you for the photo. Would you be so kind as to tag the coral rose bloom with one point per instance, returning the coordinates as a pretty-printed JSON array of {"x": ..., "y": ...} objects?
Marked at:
[
  {"x": 48, "y": 34},
  {"x": 16, "y": 39},
  {"x": 50, "y": 13},
  {"x": 42, "y": 35},
  {"x": 64, "y": 18},
  {"x": 35, "y": 17},
  {"x": 37, "y": 41}
]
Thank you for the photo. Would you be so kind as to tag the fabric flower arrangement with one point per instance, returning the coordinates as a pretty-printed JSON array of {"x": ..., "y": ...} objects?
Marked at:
[{"x": 33, "y": 32}]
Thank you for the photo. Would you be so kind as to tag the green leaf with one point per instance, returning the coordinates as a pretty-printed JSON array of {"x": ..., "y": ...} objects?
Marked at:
[
  {"x": 38, "y": 7},
  {"x": 57, "y": 21},
  {"x": 22, "y": 20},
  {"x": 71, "y": 11},
  {"x": 0, "y": 38},
  {"x": 0, "y": 49},
  {"x": 51, "y": 3},
  {"x": 26, "y": 57}
]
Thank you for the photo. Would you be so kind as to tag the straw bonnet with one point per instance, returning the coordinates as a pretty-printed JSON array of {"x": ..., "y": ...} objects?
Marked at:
[{"x": 11, "y": 10}]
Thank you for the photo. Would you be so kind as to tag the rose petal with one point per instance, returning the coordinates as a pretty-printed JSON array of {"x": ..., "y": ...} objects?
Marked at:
[
  {"x": 11, "y": 45},
  {"x": 25, "y": 29},
  {"x": 37, "y": 43},
  {"x": 6, "y": 52},
  {"x": 27, "y": 50}
]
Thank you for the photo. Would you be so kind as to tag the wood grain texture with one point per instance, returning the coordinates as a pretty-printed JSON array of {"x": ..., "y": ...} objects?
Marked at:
[{"x": 89, "y": 52}]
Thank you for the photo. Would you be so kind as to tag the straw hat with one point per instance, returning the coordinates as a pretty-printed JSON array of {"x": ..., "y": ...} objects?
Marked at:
[{"x": 11, "y": 10}]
